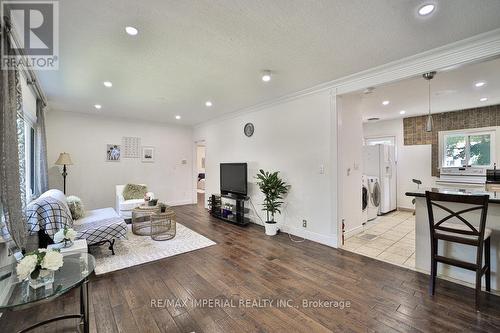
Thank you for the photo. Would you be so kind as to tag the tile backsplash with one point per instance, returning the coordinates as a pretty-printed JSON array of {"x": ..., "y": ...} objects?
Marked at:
[{"x": 415, "y": 134}]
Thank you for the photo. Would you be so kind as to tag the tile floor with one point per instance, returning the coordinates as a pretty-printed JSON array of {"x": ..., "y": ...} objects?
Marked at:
[{"x": 389, "y": 238}]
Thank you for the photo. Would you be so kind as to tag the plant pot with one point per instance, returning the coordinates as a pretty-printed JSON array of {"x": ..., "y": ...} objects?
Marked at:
[
  {"x": 45, "y": 279},
  {"x": 271, "y": 228}
]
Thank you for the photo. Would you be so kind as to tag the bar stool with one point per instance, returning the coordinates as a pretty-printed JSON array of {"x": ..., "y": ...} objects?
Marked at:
[{"x": 462, "y": 232}]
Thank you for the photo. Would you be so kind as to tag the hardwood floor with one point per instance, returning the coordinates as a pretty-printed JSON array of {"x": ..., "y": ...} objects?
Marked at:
[{"x": 246, "y": 265}]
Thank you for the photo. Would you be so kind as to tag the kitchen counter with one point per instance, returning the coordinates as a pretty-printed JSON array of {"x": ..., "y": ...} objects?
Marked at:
[
  {"x": 494, "y": 196},
  {"x": 458, "y": 251}
]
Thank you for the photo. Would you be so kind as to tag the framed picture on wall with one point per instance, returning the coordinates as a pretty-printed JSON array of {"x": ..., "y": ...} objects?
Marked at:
[
  {"x": 148, "y": 154},
  {"x": 113, "y": 153}
]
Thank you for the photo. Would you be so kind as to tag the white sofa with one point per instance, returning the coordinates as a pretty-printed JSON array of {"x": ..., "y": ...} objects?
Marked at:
[
  {"x": 124, "y": 207},
  {"x": 50, "y": 213}
]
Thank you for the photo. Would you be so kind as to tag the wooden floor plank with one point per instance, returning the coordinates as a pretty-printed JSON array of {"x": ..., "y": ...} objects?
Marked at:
[{"x": 247, "y": 265}]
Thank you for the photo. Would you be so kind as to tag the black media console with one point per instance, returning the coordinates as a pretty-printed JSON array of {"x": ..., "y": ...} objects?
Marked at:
[{"x": 233, "y": 213}]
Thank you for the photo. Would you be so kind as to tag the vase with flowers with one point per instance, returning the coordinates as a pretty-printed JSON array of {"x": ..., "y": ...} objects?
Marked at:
[
  {"x": 64, "y": 237},
  {"x": 39, "y": 266}
]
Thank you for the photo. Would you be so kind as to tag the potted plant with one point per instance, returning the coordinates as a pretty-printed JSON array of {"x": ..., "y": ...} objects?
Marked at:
[
  {"x": 39, "y": 266},
  {"x": 274, "y": 189},
  {"x": 64, "y": 237}
]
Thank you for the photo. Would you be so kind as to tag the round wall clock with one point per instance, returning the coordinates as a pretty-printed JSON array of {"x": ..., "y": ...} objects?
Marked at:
[{"x": 248, "y": 129}]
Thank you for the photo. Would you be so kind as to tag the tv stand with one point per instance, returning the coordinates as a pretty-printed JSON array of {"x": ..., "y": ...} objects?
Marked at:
[{"x": 235, "y": 215}]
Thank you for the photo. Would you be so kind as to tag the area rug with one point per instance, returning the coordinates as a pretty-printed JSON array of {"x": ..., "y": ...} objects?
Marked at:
[{"x": 136, "y": 250}]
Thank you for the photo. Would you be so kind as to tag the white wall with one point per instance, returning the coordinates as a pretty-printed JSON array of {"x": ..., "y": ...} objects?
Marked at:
[
  {"x": 293, "y": 137},
  {"x": 93, "y": 179},
  {"x": 351, "y": 149},
  {"x": 413, "y": 161}
]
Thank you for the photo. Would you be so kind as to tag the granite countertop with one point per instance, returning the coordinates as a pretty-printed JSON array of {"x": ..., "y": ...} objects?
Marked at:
[{"x": 494, "y": 196}]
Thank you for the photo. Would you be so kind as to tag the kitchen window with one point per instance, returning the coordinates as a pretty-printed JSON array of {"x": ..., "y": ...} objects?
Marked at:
[{"x": 467, "y": 148}]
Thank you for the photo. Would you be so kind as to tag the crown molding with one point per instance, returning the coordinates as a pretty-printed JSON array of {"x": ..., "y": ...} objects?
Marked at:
[{"x": 472, "y": 49}]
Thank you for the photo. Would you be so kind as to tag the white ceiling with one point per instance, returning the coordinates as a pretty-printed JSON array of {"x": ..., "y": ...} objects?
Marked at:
[
  {"x": 188, "y": 52},
  {"x": 451, "y": 90}
]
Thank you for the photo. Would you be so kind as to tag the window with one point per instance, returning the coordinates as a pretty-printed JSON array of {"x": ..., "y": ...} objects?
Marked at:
[
  {"x": 468, "y": 148},
  {"x": 29, "y": 155},
  {"x": 387, "y": 140}
]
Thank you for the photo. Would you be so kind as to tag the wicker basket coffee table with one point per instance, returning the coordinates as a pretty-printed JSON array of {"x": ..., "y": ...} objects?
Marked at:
[
  {"x": 163, "y": 225},
  {"x": 141, "y": 219}
]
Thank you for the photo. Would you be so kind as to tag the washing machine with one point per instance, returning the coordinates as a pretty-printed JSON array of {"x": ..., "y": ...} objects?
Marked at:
[
  {"x": 374, "y": 197},
  {"x": 364, "y": 199}
]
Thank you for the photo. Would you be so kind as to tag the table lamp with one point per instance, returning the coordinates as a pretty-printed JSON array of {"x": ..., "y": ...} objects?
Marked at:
[{"x": 64, "y": 159}]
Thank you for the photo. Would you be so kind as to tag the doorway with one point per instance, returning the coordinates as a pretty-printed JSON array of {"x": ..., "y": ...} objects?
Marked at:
[{"x": 200, "y": 173}]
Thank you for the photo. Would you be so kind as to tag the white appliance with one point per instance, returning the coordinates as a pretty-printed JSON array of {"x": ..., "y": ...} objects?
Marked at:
[
  {"x": 373, "y": 197},
  {"x": 380, "y": 161},
  {"x": 365, "y": 197}
]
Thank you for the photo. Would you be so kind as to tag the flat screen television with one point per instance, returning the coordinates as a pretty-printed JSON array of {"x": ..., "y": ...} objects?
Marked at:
[{"x": 233, "y": 178}]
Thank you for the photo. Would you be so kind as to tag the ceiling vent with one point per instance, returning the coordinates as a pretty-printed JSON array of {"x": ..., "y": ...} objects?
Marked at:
[{"x": 373, "y": 119}]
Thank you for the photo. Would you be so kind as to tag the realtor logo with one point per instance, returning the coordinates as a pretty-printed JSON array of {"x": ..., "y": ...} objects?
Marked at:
[{"x": 35, "y": 34}]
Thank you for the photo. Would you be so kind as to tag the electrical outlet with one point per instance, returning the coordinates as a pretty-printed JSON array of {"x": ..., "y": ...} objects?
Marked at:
[{"x": 304, "y": 223}]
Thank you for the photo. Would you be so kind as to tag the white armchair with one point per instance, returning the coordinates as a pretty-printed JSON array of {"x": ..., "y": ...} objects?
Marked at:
[{"x": 124, "y": 207}]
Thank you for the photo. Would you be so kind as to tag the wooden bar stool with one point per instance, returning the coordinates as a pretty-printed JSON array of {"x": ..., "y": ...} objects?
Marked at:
[{"x": 462, "y": 232}]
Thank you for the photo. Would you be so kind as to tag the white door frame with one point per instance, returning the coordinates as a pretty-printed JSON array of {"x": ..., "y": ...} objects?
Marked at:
[
  {"x": 473, "y": 49},
  {"x": 195, "y": 168}
]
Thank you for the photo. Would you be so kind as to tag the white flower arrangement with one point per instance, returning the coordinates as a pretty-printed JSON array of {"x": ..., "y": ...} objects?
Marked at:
[
  {"x": 65, "y": 234},
  {"x": 34, "y": 262}
]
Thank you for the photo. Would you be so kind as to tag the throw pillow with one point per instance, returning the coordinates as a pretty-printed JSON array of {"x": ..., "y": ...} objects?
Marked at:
[
  {"x": 134, "y": 191},
  {"x": 76, "y": 207}
]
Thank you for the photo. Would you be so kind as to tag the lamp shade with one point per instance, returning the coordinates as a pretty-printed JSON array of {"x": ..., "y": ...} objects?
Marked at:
[{"x": 64, "y": 159}]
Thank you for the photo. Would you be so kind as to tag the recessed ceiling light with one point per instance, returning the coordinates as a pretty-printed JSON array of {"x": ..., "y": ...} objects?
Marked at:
[
  {"x": 479, "y": 84},
  {"x": 402, "y": 112},
  {"x": 483, "y": 99},
  {"x": 426, "y": 9},
  {"x": 131, "y": 31},
  {"x": 177, "y": 117},
  {"x": 266, "y": 76},
  {"x": 108, "y": 84},
  {"x": 98, "y": 106},
  {"x": 208, "y": 104},
  {"x": 385, "y": 103}
]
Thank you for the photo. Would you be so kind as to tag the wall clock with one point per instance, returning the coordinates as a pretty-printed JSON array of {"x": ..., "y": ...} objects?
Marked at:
[{"x": 248, "y": 130}]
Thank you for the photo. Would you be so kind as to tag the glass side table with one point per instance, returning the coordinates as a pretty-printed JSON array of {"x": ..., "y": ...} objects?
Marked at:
[
  {"x": 163, "y": 225},
  {"x": 74, "y": 273},
  {"x": 141, "y": 219}
]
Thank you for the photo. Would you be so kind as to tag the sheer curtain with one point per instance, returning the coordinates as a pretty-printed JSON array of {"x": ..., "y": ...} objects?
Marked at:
[
  {"x": 12, "y": 189},
  {"x": 41, "y": 165}
]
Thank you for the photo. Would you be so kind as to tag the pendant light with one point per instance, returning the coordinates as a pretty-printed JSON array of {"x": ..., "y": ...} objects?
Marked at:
[{"x": 429, "y": 123}]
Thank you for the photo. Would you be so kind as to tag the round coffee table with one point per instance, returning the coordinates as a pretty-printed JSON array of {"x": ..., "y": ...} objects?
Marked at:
[
  {"x": 163, "y": 225},
  {"x": 74, "y": 273},
  {"x": 141, "y": 219}
]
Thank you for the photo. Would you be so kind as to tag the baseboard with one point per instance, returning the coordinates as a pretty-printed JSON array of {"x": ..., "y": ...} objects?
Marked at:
[
  {"x": 180, "y": 203},
  {"x": 312, "y": 236},
  {"x": 354, "y": 231}
]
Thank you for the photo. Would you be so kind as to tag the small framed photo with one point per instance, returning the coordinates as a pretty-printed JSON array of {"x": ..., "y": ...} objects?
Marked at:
[
  {"x": 148, "y": 154},
  {"x": 113, "y": 153}
]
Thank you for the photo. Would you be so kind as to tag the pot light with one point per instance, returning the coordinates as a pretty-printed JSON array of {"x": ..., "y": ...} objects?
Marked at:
[
  {"x": 426, "y": 9},
  {"x": 131, "y": 31},
  {"x": 266, "y": 76},
  {"x": 208, "y": 104},
  {"x": 479, "y": 84},
  {"x": 483, "y": 99},
  {"x": 108, "y": 84},
  {"x": 98, "y": 106},
  {"x": 402, "y": 112},
  {"x": 177, "y": 117},
  {"x": 385, "y": 103}
]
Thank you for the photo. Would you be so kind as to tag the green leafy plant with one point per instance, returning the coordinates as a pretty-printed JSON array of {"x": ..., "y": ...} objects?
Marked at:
[{"x": 274, "y": 189}]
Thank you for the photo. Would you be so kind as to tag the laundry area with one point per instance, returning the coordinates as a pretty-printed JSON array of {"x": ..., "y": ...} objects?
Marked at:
[{"x": 437, "y": 130}]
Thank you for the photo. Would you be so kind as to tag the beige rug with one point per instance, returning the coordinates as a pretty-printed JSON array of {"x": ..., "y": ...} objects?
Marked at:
[{"x": 138, "y": 250}]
